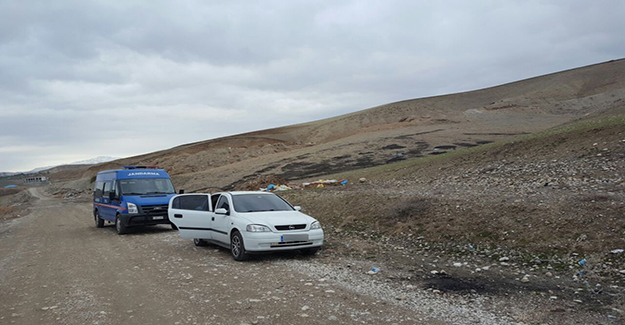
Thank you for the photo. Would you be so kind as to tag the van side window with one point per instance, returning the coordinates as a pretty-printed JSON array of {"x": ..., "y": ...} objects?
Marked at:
[
  {"x": 214, "y": 199},
  {"x": 99, "y": 187},
  {"x": 116, "y": 189},
  {"x": 194, "y": 202},
  {"x": 108, "y": 185},
  {"x": 176, "y": 203},
  {"x": 223, "y": 203}
]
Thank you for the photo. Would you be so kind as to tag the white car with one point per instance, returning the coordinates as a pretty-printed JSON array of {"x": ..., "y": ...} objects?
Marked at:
[{"x": 245, "y": 223}]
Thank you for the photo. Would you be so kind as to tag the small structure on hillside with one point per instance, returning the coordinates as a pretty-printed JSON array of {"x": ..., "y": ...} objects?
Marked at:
[{"x": 35, "y": 180}]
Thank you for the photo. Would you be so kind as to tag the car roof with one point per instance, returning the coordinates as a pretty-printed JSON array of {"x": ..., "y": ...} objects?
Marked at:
[
  {"x": 248, "y": 192},
  {"x": 243, "y": 192}
]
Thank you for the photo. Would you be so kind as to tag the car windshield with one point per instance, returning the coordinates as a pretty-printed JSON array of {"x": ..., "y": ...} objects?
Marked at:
[
  {"x": 145, "y": 186},
  {"x": 259, "y": 203}
]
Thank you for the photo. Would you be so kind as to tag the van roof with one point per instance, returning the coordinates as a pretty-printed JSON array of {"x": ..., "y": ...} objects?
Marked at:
[{"x": 135, "y": 173}]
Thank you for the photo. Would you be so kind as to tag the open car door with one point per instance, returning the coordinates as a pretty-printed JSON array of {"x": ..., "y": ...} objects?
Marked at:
[{"x": 191, "y": 213}]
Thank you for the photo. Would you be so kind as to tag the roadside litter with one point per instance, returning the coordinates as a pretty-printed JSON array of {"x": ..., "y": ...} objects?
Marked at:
[
  {"x": 374, "y": 270},
  {"x": 316, "y": 184}
]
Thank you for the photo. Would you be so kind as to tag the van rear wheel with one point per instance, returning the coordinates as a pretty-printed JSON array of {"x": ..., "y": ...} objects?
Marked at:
[
  {"x": 99, "y": 222},
  {"x": 119, "y": 226}
]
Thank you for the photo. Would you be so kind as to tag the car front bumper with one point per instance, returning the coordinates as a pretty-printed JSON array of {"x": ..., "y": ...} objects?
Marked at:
[{"x": 282, "y": 241}]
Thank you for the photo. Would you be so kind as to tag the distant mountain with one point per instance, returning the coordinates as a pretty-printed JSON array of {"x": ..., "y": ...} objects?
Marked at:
[{"x": 93, "y": 161}]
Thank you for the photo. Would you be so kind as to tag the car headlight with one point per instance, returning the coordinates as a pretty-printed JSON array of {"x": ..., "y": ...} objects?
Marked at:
[
  {"x": 315, "y": 225},
  {"x": 132, "y": 208},
  {"x": 257, "y": 228}
]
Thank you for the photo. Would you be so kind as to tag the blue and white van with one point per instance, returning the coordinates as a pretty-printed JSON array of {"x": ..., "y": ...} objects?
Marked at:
[{"x": 132, "y": 196}]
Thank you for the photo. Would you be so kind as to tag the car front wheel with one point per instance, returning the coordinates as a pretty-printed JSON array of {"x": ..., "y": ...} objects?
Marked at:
[{"x": 237, "y": 247}]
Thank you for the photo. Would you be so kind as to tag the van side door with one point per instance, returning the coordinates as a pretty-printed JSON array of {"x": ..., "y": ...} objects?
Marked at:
[
  {"x": 107, "y": 210},
  {"x": 97, "y": 196},
  {"x": 191, "y": 213}
]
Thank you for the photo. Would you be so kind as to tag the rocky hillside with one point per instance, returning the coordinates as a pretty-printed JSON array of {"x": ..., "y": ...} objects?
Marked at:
[{"x": 393, "y": 132}]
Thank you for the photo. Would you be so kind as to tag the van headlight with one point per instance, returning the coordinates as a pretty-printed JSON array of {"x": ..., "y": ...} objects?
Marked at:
[
  {"x": 132, "y": 208},
  {"x": 257, "y": 228},
  {"x": 315, "y": 225}
]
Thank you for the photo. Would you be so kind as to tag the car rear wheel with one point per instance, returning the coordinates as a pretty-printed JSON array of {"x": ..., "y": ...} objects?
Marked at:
[
  {"x": 119, "y": 226},
  {"x": 237, "y": 247},
  {"x": 99, "y": 222},
  {"x": 199, "y": 242}
]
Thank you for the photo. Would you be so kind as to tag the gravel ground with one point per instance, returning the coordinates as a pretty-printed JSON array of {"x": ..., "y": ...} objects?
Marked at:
[{"x": 56, "y": 267}]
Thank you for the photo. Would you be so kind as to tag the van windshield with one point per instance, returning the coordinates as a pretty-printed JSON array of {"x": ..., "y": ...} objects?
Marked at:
[
  {"x": 144, "y": 186},
  {"x": 259, "y": 203}
]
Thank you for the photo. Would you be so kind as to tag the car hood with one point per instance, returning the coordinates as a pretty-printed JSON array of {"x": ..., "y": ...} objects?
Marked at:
[
  {"x": 148, "y": 199},
  {"x": 277, "y": 218}
]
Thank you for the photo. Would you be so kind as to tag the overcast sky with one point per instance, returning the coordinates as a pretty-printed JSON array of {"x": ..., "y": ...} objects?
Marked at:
[{"x": 80, "y": 79}]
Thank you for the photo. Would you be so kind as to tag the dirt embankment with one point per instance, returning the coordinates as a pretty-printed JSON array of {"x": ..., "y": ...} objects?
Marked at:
[{"x": 13, "y": 202}]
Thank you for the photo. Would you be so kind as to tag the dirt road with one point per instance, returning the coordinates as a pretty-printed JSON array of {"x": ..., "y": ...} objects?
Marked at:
[{"x": 57, "y": 267}]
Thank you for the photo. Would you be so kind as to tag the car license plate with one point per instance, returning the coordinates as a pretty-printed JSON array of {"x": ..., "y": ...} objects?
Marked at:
[
  {"x": 294, "y": 237},
  {"x": 158, "y": 218}
]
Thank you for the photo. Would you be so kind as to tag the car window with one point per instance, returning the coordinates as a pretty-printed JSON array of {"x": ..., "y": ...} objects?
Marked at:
[
  {"x": 214, "y": 199},
  {"x": 176, "y": 203},
  {"x": 259, "y": 203},
  {"x": 223, "y": 203},
  {"x": 194, "y": 202}
]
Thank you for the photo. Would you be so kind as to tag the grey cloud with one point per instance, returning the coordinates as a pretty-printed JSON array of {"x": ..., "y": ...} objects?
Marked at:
[{"x": 68, "y": 66}]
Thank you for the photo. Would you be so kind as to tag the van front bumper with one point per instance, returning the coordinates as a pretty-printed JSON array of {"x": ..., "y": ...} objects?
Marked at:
[
  {"x": 278, "y": 241},
  {"x": 138, "y": 220}
]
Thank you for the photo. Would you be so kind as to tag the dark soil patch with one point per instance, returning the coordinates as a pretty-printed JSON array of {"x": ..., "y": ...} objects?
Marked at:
[
  {"x": 437, "y": 152},
  {"x": 479, "y": 285},
  {"x": 393, "y": 147},
  {"x": 395, "y": 159},
  {"x": 446, "y": 147},
  {"x": 341, "y": 157},
  {"x": 465, "y": 144},
  {"x": 495, "y": 133}
]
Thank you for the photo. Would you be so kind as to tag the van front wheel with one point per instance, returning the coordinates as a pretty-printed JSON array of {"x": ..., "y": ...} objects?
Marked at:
[{"x": 119, "y": 226}]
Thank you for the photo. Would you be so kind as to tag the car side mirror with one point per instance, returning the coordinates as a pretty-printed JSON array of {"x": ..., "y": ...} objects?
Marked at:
[
  {"x": 221, "y": 211},
  {"x": 181, "y": 191},
  {"x": 297, "y": 208},
  {"x": 112, "y": 196}
]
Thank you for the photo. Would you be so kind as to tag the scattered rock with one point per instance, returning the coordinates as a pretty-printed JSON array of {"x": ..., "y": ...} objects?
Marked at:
[
  {"x": 525, "y": 279},
  {"x": 503, "y": 259},
  {"x": 457, "y": 264}
]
